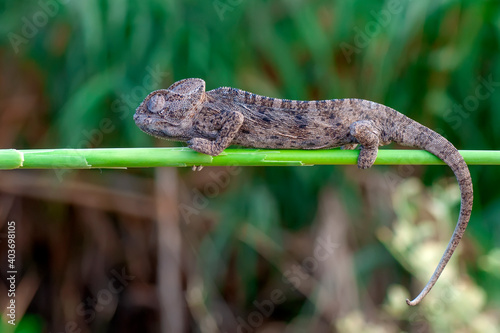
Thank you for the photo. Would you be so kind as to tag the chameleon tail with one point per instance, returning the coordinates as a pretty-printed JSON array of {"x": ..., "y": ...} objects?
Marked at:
[{"x": 442, "y": 148}]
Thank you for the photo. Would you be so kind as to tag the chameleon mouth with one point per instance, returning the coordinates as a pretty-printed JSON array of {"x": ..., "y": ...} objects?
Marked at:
[
  {"x": 160, "y": 128},
  {"x": 171, "y": 123},
  {"x": 156, "y": 133},
  {"x": 144, "y": 121}
]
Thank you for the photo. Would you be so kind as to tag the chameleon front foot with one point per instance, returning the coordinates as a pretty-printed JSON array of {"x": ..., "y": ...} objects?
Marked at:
[{"x": 204, "y": 146}]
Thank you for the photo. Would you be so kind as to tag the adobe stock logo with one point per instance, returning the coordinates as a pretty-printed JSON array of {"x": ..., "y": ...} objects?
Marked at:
[
  {"x": 33, "y": 23},
  {"x": 223, "y": 6},
  {"x": 293, "y": 277},
  {"x": 458, "y": 113},
  {"x": 122, "y": 108},
  {"x": 364, "y": 35}
]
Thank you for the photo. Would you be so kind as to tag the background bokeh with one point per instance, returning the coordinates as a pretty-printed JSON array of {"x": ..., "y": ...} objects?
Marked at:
[{"x": 320, "y": 249}]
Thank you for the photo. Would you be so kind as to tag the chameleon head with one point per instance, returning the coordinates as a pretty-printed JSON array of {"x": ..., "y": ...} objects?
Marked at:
[{"x": 167, "y": 112}]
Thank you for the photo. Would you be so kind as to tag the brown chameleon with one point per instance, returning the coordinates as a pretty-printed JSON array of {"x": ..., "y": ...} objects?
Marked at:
[{"x": 211, "y": 121}]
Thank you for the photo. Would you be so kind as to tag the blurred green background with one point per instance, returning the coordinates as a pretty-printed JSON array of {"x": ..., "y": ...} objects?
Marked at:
[{"x": 324, "y": 249}]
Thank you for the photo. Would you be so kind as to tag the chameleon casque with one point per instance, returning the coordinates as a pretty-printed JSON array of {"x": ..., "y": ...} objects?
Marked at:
[{"x": 211, "y": 121}]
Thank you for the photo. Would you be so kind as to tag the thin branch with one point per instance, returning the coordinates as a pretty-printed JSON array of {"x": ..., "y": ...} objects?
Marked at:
[{"x": 185, "y": 157}]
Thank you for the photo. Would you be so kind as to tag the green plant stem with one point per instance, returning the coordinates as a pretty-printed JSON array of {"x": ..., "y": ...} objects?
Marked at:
[{"x": 185, "y": 157}]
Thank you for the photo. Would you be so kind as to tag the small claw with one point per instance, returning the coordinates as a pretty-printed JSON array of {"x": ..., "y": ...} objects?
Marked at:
[{"x": 349, "y": 146}]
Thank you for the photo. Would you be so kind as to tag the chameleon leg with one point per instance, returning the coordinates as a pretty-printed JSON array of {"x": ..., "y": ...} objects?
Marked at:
[
  {"x": 230, "y": 127},
  {"x": 367, "y": 134},
  {"x": 367, "y": 157}
]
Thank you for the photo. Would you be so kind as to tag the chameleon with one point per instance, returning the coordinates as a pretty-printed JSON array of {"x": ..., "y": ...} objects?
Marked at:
[{"x": 210, "y": 121}]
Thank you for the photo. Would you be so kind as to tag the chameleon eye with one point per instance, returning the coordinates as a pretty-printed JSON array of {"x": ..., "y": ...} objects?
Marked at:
[{"x": 156, "y": 103}]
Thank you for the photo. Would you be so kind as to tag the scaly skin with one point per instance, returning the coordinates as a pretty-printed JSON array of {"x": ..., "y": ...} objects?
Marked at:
[{"x": 211, "y": 121}]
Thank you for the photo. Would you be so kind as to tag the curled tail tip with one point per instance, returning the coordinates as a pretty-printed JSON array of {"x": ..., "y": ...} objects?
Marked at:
[
  {"x": 412, "y": 303},
  {"x": 422, "y": 294}
]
